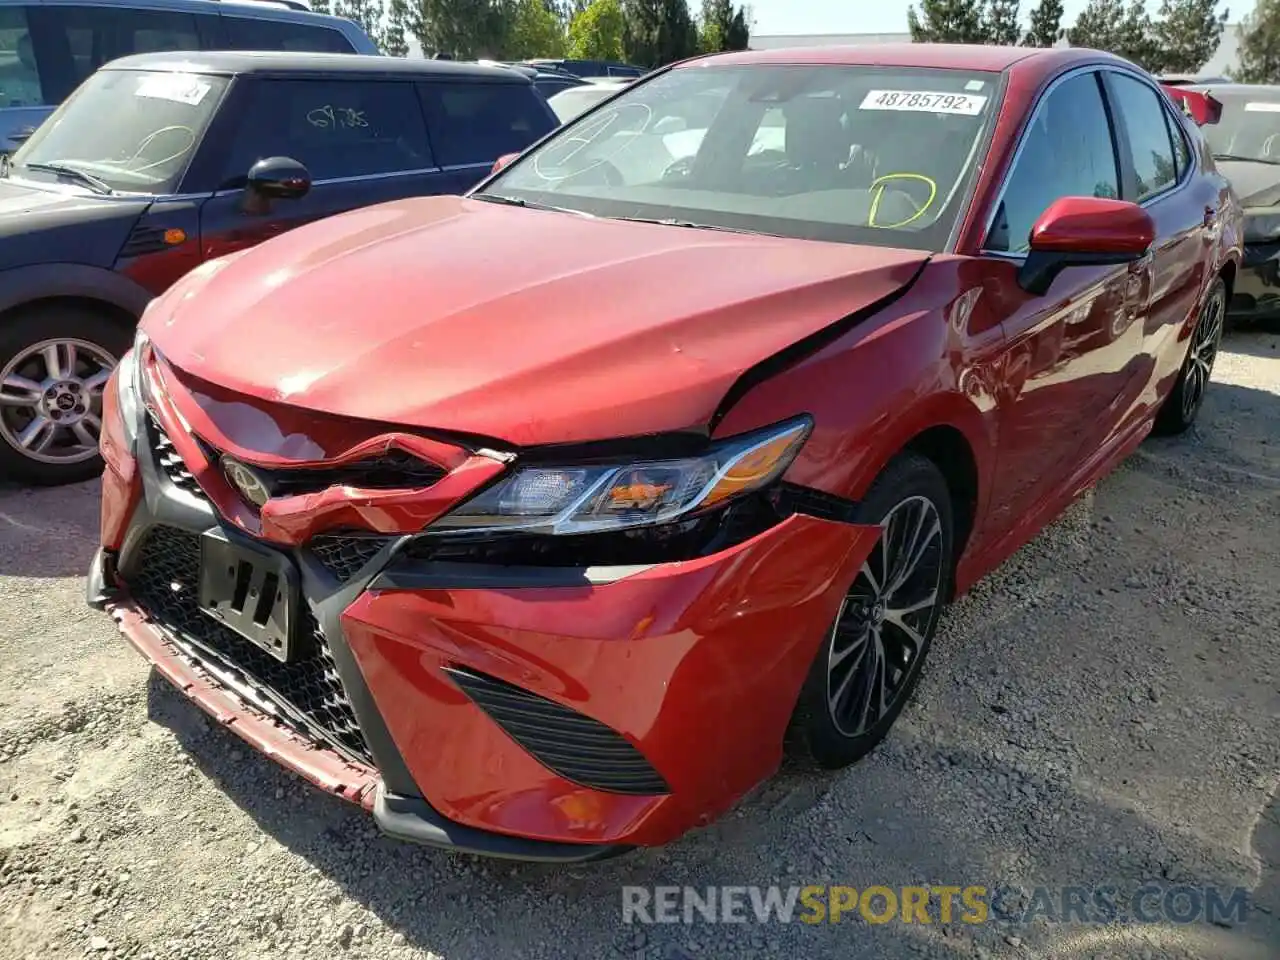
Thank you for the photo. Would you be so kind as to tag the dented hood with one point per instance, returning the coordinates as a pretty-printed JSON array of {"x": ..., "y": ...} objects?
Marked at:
[{"x": 515, "y": 324}]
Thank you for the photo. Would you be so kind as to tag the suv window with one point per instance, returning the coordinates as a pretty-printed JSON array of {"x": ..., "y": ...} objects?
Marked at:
[
  {"x": 1142, "y": 112},
  {"x": 96, "y": 35},
  {"x": 479, "y": 122},
  {"x": 335, "y": 128},
  {"x": 244, "y": 33},
  {"x": 19, "y": 81},
  {"x": 1067, "y": 151}
]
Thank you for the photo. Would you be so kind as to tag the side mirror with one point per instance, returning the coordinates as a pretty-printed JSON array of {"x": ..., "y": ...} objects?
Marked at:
[
  {"x": 503, "y": 161},
  {"x": 1084, "y": 232},
  {"x": 279, "y": 178}
]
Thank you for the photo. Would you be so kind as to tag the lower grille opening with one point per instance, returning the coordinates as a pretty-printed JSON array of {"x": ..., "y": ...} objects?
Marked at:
[
  {"x": 345, "y": 556},
  {"x": 569, "y": 744},
  {"x": 166, "y": 585}
]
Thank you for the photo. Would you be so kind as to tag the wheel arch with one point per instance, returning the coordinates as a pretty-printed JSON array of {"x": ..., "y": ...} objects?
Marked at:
[
  {"x": 947, "y": 447},
  {"x": 76, "y": 284}
]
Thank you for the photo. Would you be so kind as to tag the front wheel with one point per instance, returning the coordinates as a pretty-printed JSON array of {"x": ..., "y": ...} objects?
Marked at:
[
  {"x": 870, "y": 662},
  {"x": 54, "y": 365},
  {"x": 1187, "y": 397}
]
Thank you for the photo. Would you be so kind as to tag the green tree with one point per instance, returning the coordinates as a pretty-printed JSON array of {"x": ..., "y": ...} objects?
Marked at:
[
  {"x": 1187, "y": 34},
  {"x": 1125, "y": 31},
  {"x": 596, "y": 32},
  {"x": 366, "y": 14},
  {"x": 723, "y": 27},
  {"x": 1000, "y": 22},
  {"x": 466, "y": 29},
  {"x": 395, "y": 39},
  {"x": 534, "y": 31},
  {"x": 1259, "y": 45},
  {"x": 947, "y": 21},
  {"x": 321, "y": 6},
  {"x": 1045, "y": 28},
  {"x": 658, "y": 32}
]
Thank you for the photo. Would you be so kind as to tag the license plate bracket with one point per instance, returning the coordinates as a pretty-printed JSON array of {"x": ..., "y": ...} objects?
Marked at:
[{"x": 253, "y": 590}]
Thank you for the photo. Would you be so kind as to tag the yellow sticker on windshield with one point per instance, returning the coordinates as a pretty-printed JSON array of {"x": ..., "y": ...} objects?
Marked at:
[
  {"x": 178, "y": 87},
  {"x": 924, "y": 101}
]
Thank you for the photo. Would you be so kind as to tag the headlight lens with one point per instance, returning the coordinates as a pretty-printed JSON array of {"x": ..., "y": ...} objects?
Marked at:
[
  {"x": 1261, "y": 227},
  {"x": 129, "y": 389},
  {"x": 598, "y": 497}
]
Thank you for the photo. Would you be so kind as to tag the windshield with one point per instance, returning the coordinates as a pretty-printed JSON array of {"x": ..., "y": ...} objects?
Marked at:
[
  {"x": 134, "y": 131},
  {"x": 878, "y": 155},
  {"x": 1249, "y": 128},
  {"x": 576, "y": 101}
]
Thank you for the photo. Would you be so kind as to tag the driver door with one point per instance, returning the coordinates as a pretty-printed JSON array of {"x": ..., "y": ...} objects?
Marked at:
[
  {"x": 1064, "y": 364},
  {"x": 362, "y": 141}
]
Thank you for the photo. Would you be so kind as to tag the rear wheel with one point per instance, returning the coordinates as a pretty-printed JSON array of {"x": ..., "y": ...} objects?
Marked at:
[
  {"x": 870, "y": 662},
  {"x": 1183, "y": 404},
  {"x": 54, "y": 365}
]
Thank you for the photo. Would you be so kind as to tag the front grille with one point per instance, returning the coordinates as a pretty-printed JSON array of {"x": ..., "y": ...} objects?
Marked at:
[
  {"x": 345, "y": 556},
  {"x": 576, "y": 747},
  {"x": 170, "y": 463},
  {"x": 166, "y": 584},
  {"x": 393, "y": 470}
]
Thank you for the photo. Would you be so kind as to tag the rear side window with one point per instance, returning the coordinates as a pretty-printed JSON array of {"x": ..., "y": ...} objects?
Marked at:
[
  {"x": 474, "y": 123},
  {"x": 19, "y": 80},
  {"x": 244, "y": 33},
  {"x": 1181, "y": 150},
  {"x": 1066, "y": 151},
  {"x": 1141, "y": 111},
  {"x": 95, "y": 35},
  {"x": 334, "y": 128}
]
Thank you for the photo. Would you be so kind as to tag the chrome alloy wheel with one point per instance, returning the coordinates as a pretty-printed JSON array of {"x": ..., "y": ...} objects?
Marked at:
[
  {"x": 51, "y": 400},
  {"x": 879, "y": 634},
  {"x": 1203, "y": 352}
]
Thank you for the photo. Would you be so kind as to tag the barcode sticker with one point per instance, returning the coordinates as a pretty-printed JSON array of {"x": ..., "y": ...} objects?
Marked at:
[{"x": 178, "y": 87}]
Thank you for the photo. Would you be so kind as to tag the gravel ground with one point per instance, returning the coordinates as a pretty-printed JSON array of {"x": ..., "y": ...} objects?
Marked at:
[{"x": 1102, "y": 710}]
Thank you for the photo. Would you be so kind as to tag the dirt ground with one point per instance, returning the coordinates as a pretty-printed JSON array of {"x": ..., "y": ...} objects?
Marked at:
[{"x": 1105, "y": 709}]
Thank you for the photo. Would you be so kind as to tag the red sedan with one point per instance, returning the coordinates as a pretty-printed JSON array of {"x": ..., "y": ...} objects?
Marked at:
[{"x": 537, "y": 521}]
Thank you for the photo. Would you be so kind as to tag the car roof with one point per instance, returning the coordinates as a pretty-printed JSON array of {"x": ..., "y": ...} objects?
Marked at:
[
  {"x": 954, "y": 56},
  {"x": 270, "y": 62}
]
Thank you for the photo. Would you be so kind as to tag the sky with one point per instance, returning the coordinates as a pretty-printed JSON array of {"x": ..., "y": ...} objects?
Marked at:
[{"x": 877, "y": 16}]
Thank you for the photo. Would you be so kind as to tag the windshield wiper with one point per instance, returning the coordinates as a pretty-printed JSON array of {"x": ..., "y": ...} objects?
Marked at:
[
  {"x": 687, "y": 224},
  {"x": 527, "y": 204},
  {"x": 1243, "y": 159},
  {"x": 75, "y": 173}
]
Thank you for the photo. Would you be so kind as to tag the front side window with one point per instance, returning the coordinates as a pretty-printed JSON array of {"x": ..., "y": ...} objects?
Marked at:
[
  {"x": 878, "y": 155},
  {"x": 1142, "y": 111},
  {"x": 96, "y": 35},
  {"x": 335, "y": 128},
  {"x": 245, "y": 33},
  {"x": 1066, "y": 151},
  {"x": 476, "y": 123},
  {"x": 19, "y": 78},
  {"x": 133, "y": 130}
]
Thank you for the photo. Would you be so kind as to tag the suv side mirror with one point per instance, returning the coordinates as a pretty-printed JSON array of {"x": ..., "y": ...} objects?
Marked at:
[
  {"x": 1084, "y": 232},
  {"x": 279, "y": 178}
]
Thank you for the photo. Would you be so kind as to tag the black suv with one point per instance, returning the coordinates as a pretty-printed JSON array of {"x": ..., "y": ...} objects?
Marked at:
[{"x": 159, "y": 163}]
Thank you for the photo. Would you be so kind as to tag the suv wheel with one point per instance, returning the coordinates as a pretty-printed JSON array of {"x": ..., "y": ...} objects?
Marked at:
[{"x": 54, "y": 365}]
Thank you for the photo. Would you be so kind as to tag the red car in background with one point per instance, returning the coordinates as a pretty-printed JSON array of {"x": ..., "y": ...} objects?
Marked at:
[{"x": 537, "y": 521}]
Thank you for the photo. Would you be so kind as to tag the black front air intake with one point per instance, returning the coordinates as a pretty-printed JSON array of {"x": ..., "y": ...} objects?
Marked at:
[
  {"x": 564, "y": 741},
  {"x": 165, "y": 583}
]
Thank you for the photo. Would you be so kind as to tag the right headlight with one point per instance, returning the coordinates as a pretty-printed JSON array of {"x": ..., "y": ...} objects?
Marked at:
[
  {"x": 600, "y": 497},
  {"x": 129, "y": 389}
]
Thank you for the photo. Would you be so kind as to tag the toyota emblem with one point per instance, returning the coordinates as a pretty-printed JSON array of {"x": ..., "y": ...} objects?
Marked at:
[{"x": 247, "y": 483}]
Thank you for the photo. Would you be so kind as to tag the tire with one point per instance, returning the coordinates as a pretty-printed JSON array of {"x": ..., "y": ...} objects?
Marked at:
[
  {"x": 54, "y": 361},
  {"x": 910, "y": 487},
  {"x": 1182, "y": 406}
]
